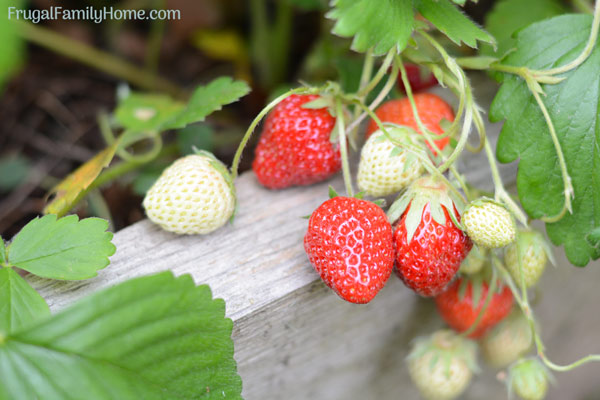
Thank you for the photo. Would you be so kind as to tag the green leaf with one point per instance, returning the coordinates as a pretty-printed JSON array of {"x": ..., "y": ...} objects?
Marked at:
[
  {"x": 20, "y": 304},
  {"x": 142, "y": 112},
  {"x": 64, "y": 248},
  {"x": 381, "y": 25},
  {"x": 452, "y": 22},
  {"x": 13, "y": 171},
  {"x": 155, "y": 337},
  {"x": 574, "y": 108},
  {"x": 12, "y": 46},
  {"x": 208, "y": 99},
  {"x": 507, "y": 17}
]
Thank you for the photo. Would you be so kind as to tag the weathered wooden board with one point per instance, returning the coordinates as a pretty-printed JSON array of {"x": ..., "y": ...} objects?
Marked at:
[{"x": 294, "y": 338}]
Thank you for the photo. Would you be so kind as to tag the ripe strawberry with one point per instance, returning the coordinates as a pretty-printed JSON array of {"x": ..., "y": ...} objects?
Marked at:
[
  {"x": 506, "y": 342},
  {"x": 529, "y": 379},
  {"x": 384, "y": 168},
  {"x": 533, "y": 252},
  {"x": 432, "y": 110},
  {"x": 474, "y": 262},
  {"x": 294, "y": 147},
  {"x": 349, "y": 243},
  {"x": 441, "y": 366},
  {"x": 193, "y": 195},
  {"x": 459, "y": 307},
  {"x": 489, "y": 224},
  {"x": 429, "y": 245},
  {"x": 418, "y": 78}
]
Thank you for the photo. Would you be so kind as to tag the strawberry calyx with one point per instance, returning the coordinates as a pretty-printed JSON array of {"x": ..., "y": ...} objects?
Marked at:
[
  {"x": 427, "y": 190},
  {"x": 482, "y": 284}
]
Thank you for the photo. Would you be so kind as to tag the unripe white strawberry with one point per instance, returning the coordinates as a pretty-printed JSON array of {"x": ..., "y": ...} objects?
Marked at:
[
  {"x": 441, "y": 365},
  {"x": 474, "y": 261},
  {"x": 194, "y": 195},
  {"x": 528, "y": 378},
  {"x": 533, "y": 252},
  {"x": 385, "y": 168},
  {"x": 489, "y": 224},
  {"x": 506, "y": 342}
]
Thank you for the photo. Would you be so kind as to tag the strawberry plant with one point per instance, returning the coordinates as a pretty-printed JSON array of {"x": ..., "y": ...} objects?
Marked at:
[{"x": 473, "y": 251}]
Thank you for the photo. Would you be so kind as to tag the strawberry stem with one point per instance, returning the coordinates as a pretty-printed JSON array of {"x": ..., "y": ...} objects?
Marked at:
[
  {"x": 380, "y": 97},
  {"x": 339, "y": 112},
  {"x": 379, "y": 75}
]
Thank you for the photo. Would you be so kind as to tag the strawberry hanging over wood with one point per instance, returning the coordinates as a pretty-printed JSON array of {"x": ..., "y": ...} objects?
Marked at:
[
  {"x": 460, "y": 304},
  {"x": 349, "y": 243},
  {"x": 295, "y": 147},
  {"x": 429, "y": 245},
  {"x": 194, "y": 195},
  {"x": 432, "y": 110}
]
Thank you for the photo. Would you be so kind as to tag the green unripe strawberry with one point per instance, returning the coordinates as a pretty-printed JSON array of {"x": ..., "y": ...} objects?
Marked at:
[
  {"x": 528, "y": 378},
  {"x": 194, "y": 195},
  {"x": 506, "y": 342},
  {"x": 474, "y": 262},
  {"x": 441, "y": 365},
  {"x": 489, "y": 224},
  {"x": 386, "y": 169},
  {"x": 533, "y": 252}
]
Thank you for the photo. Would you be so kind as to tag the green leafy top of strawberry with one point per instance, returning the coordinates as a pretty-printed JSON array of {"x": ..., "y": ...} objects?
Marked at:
[{"x": 427, "y": 190}]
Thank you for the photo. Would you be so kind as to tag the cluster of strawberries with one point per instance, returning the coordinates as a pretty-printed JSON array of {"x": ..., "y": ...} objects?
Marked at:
[
  {"x": 350, "y": 241},
  {"x": 427, "y": 236},
  {"x": 354, "y": 246}
]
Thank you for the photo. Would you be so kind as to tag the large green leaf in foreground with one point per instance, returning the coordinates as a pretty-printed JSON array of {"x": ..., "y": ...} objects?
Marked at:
[
  {"x": 574, "y": 107},
  {"x": 20, "y": 304},
  {"x": 156, "y": 337}
]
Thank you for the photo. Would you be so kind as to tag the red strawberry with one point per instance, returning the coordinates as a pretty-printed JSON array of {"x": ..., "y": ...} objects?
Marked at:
[
  {"x": 294, "y": 147},
  {"x": 349, "y": 243},
  {"x": 461, "y": 311},
  {"x": 429, "y": 246},
  {"x": 432, "y": 109},
  {"x": 419, "y": 80}
]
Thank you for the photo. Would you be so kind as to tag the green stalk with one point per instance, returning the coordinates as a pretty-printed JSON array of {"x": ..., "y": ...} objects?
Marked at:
[
  {"x": 526, "y": 308},
  {"x": 259, "y": 41},
  {"x": 157, "y": 30},
  {"x": 568, "y": 186},
  {"x": 389, "y": 58},
  {"x": 280, "y": 42},
  {"x": 98, "y": 59},
  {"x": 339, "y": 111},
  {"x": 589, "y": 47}
]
